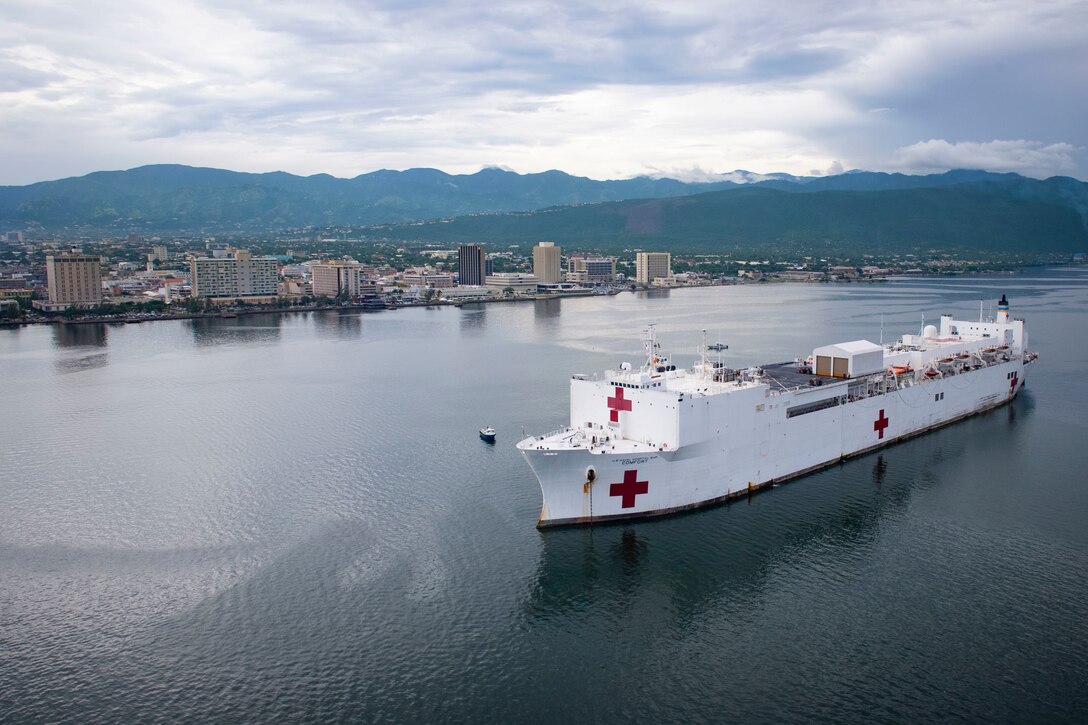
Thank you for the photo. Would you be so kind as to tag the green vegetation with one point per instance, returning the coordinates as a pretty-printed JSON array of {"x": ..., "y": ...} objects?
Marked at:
[{"x": 757, "y": 220}]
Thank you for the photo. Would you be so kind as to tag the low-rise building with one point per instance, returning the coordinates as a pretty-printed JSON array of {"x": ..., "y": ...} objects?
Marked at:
[
  {"x": 437, "y": 281},
  {"x": 464, "y": 293},
  {"x": 517, "y": 281},
  {"x": 332, "y": 278},
  {"x": 592, "y": 270}
]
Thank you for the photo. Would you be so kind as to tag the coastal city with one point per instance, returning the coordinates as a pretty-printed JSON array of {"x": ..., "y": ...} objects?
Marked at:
[
  {"x": 543, "y": 362},
  {"x": 144, "y": 278}
]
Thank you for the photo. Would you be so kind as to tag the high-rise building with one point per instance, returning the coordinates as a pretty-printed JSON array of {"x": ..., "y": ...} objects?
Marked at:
[
  {"x": 239, "y": 274},
  {"x": 470, "y": 258},
  {"x": 652, "y": 265},
  {"x": 159, "y": 252},
  {"x": 546, "y": 262},
  {"x": 73, "y": 280}
]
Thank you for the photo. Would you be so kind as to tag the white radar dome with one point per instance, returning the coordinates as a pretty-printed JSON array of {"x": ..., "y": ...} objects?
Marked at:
[
  {"x": 929, "y": 331},
  {"x": 625, "y": 366}
]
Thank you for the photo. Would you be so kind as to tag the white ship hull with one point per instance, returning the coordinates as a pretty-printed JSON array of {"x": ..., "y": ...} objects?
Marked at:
[{"x": 651, "y": 447}]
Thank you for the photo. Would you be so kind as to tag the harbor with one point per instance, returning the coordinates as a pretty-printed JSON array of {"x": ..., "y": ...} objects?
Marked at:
[{"x": 256, "y": 503}]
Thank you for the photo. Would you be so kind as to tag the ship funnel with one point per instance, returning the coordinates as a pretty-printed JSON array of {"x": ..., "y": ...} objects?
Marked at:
[{"x": 1003, "y": 309}]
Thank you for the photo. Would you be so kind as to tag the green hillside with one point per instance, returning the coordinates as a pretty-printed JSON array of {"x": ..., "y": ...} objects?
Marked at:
[{"x": 980, "y": 217}]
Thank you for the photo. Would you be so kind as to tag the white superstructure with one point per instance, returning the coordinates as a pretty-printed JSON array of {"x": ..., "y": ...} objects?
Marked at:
[{"x": 654, "y": 439}]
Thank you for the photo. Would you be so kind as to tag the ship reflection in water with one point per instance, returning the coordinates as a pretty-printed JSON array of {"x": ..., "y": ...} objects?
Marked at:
[{"x": 724, "y": 555}]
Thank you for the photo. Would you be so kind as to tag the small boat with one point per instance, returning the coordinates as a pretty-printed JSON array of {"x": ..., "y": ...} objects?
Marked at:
[
  {"x": 717, "y": 346},
  {"x": 487, "y": 434}
]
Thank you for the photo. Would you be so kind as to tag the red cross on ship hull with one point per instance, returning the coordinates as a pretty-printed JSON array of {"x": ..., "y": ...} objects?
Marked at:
[
  {"x": 629, "y": 489},
  {"x": 880, "y": 424}
]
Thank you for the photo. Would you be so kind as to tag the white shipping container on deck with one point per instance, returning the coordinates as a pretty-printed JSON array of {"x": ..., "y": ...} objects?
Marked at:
[{"x": 848, "y": 359}]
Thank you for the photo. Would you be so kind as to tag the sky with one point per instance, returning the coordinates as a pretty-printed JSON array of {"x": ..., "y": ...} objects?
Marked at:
[{"x": 608, "y": 90}]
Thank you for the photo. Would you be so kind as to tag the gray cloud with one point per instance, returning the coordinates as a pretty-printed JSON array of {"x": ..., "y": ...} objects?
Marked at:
[
  {"x": 1031, "y": 158},
  {"x": 602, "y": 89}
]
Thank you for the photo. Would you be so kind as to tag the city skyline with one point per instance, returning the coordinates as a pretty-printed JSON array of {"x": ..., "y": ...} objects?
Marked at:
[{"x": 691, "y": 92}]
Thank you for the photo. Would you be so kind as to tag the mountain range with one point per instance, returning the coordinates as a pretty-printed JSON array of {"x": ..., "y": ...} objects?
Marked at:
[
  {"x": 984, "y": 218},
  {"x": 963, "y": 208},
  {"x": 184, "y": 198}
]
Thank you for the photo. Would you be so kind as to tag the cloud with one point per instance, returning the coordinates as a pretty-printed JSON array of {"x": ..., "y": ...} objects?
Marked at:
[
  {"x": 1030, "y": 158},
  {"x": 609, "y": 89}
]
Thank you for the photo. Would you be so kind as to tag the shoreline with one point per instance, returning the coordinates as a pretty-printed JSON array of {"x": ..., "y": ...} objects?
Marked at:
[{"x": 136, "y": 318}]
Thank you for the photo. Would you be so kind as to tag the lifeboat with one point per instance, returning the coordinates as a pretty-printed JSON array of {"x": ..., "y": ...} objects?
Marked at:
[
  {"x": 900, "y": 369},
  {"x": 931, "y": 373}
]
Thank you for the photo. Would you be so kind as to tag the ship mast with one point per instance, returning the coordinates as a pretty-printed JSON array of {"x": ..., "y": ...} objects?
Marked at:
[
  {"x": 703, "y": 354},
  {"x": 649, "y": 343}
]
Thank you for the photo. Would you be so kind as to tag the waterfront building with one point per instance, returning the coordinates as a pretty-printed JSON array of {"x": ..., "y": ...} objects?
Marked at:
[
  {"x": 470, "y": 258},
  {"x": 592, "y": 270},
  {"x": 294, "y": 287},
  {"x": 517, "y": 281},
  {"x": 238, "y": 274},
  {"x": 439, "y": 280},
  {"x": 333, "y": 278},
  {"x": 546, "y": 262},
  {"x": 650, "y": 266},
  {"x": 72, "y": 280},
  {"x": 467, "y": 293}
]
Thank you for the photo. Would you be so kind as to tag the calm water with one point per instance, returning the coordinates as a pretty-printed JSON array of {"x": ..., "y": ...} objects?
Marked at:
[{"x": 288, "y": 519}]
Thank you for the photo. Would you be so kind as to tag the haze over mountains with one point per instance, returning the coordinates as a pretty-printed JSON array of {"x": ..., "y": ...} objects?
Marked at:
[{"x": 964, "y": 209}]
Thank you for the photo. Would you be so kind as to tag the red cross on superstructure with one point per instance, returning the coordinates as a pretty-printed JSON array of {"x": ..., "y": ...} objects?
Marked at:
[
  {"x": 630, "y": 488},
  {"x": 880, "y": 424},
  {"x": 1013, "y": 382},
  {"x": 617, "y": 404}
]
